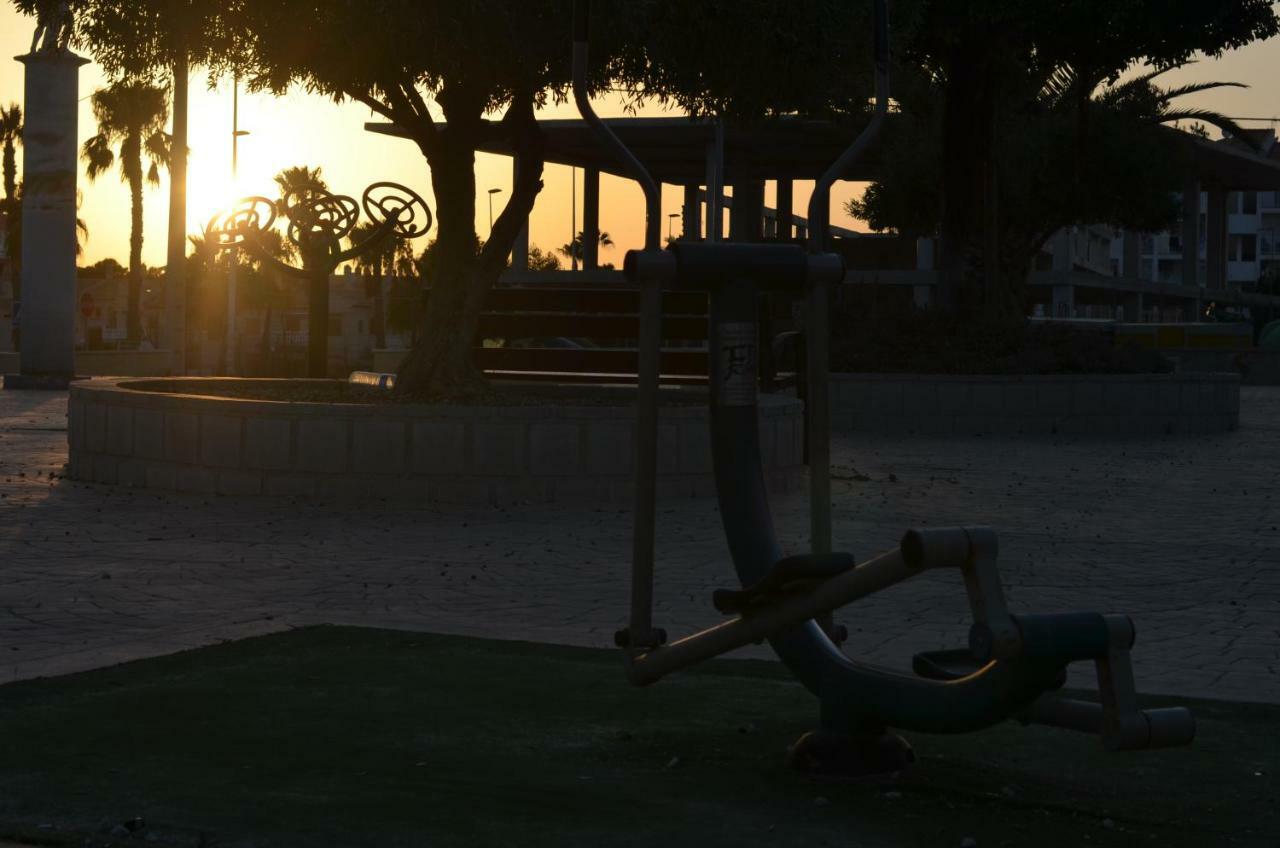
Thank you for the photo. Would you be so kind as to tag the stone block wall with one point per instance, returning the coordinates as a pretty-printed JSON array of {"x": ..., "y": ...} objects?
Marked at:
[
  {"x": 120, "y": 434},
  {"x": 1070, "y": 404}
]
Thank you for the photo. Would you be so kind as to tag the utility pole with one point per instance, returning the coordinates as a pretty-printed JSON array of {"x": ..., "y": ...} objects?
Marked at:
[{"x": 236, "y": 132}]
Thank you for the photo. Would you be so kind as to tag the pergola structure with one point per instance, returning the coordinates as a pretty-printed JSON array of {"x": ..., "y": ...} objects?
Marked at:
[{"x": 702, "y": 153}]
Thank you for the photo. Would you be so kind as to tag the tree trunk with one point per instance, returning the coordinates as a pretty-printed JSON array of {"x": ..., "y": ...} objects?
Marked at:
[
  {"x": 442, "y": 361},
  {"x": 134, "y": 321},
  {"x": 379, "y": 310},
  {"x": 10, "y": 172},
  {"x": 173, "y": 336},
  {"x": 317, "y": 320}
]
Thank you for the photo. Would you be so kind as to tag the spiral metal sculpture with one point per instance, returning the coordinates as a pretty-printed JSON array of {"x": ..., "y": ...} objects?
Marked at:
[{"x": 318, "y": 221}]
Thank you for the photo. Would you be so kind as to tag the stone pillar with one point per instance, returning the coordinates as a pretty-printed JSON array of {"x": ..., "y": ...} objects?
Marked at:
[
  {"x": 49, "y": 163},
  {"x": 1191, "y": 232},
  {"x": 590, "y": 219},
  {"x": 1215, "y": 252},
  {"x": 785, "y": 201},
  {"x": 690, "y": 222}
]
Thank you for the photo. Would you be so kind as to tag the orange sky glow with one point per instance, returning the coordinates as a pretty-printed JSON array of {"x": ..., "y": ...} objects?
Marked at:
[{"x": 302, "y": 129}]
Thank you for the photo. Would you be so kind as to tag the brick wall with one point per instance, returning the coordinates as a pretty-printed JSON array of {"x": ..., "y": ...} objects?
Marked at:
[{"x": 186, "y": 442}]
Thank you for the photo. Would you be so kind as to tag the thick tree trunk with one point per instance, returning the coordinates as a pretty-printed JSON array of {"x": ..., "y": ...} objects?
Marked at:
[
  {"x": 379, "y": 309},
  {"x": 442, "y": 361},
  {"x": 317, "y": 320},
  {"x": 134, "y": 320},
  {"x": 10, "y": 172},
  {"x": 174, "y": 332}
]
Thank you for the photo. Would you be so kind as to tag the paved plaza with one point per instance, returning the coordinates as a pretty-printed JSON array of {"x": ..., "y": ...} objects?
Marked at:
[{"x": 1180, "y": 532}]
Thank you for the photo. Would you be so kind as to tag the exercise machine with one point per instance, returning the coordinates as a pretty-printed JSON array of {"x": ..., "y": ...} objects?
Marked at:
[{"x": 1013, "y": 666}]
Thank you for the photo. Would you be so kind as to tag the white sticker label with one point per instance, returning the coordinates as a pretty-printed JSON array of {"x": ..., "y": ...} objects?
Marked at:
[{"x": 737, "y": 377}]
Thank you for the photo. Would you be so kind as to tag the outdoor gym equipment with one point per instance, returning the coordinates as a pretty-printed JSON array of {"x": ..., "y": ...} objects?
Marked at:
[
  {"x": 1013, "y": 664},
  {"x": 318, "y": 222}
]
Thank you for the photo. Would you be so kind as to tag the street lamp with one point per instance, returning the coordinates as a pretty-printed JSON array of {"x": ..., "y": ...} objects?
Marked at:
[
  {"x": 671, "y": 219},
  {"x": 492, "y": 192},
  {"x": 236, "y": 133}
]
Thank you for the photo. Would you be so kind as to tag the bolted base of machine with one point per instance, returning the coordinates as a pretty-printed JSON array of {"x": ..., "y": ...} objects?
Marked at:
[{"x": 859, "y": 757}]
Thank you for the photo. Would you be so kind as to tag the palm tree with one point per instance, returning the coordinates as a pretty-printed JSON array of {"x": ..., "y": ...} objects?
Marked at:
[
  {"x": 1140, "y": 99},
  {"x": 391, "y": 254},
  {"x": 574, "y": 249},
  {"x": 131, "y": 115},
  {"x": 10, "y": 137},
  {"x": 298, "y": 182}
]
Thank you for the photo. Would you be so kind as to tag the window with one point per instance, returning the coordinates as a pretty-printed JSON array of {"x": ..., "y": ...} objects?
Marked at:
[
  {"x": 1248, "y": 248},
  {"x": 1249, "y": 202}
]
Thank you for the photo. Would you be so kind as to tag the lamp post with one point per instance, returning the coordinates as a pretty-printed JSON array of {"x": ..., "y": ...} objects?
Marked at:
[
  {"x": 492, "y": 192},
  {"x": 236, "y": 132},
  {"x": 671, "y": 219}
]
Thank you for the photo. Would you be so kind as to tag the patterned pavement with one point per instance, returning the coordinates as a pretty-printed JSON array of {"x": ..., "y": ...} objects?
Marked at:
[{"x": 1180, "y": 532}]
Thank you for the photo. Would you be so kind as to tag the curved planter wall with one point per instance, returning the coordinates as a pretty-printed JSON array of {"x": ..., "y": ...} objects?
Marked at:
[
  {"x": 1079, "y": 404},
  {"x": 120, "y": 434}
]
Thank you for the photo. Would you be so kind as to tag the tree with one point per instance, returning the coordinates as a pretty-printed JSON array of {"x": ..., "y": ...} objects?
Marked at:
[
  {"x": 158, "y": 40},
  {"x": 436, "y": 70},
  {"x": 299, "y": 183},
  {"x": 390, "y": 255},
  {"x": 575, "y": 249},
  {"x": 1127, "y": 178},
  {"x": 540, "y": 260},
  {"x": 10, "y": 138},
  {"x": 986, "y": 65},
  {"x": 130, "y": 116}
]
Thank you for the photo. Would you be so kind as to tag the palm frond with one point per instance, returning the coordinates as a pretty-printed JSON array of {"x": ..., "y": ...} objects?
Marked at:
[
  {"x": 1197, "y": 87},
  {"x": 98, "y": 156},
  {"x": 1207, "y": 116}
]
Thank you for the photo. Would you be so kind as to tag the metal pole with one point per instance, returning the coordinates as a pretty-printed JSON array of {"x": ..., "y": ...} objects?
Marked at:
[
  {"x": 231, "y": 272},
  {"x": 650, "y": 339},
  {"x": 867, "y": 578},
  {"x": 574, "y": 246},
  {"x": 816, "y": 402}
]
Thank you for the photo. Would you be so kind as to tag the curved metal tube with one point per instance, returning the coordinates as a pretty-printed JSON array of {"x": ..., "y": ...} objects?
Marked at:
[
  {"x": 817, "y": 403},
  {"x": 853, "y": 694},
  {"x": 641, "y": 632},
  {"x": 652, "y": 196}
]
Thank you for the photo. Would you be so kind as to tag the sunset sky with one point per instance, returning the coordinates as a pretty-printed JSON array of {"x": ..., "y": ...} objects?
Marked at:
[{"x": 302, "y": 129}]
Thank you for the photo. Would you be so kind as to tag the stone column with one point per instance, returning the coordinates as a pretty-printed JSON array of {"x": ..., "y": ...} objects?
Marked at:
[
  {"x": 49, "y": 163},
  {"x": 691, "y": 214},
  {"x": 590, "y": 219},
  {"x": 786, "y": 199}
]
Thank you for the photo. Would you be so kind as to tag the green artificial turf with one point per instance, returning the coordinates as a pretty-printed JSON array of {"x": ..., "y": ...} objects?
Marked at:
[{"x": 337, "y": 736}]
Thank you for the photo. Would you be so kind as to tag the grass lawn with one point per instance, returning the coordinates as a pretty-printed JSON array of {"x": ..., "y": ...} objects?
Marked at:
[{"x": 337, "y": 736}]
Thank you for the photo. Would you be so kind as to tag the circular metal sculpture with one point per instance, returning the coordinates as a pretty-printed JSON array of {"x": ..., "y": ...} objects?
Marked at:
[{"x": 318, "y": 221}]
